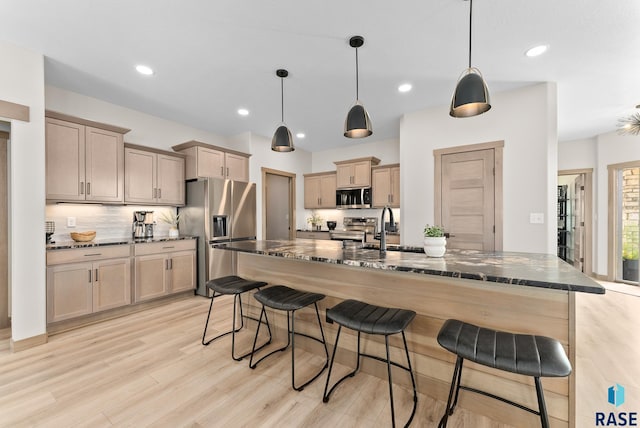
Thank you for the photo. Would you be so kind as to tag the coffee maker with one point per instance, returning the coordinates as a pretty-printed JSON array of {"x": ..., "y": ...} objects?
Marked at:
[{"x": 142, "y": 227}]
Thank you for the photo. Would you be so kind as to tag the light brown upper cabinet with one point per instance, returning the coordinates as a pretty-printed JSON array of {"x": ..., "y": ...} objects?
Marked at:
[
  {"x": 206, "y": 160},
  {"x": 320, "y": 190},
  {"x": 84, "y": 160},
  {"x": 355, "y": 173},
  {"x": 385, "y": 185},
  {"x": 153, "y": 176}
]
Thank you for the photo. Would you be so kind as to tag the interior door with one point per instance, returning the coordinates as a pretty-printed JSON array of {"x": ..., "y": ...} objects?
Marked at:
[
  {"x": 278, "y": 206},
  {"x": 4, "y": 231},
  {"x": 468, "y": 199},
  {"x": 578, "y": 224}
]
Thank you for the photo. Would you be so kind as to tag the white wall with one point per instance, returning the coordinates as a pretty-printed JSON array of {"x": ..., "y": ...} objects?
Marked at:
[
  {"x": 146, "y": 130},
  {"x": 22, "y": 82},
  {"x": 525, "y": 119},
  {"x": 388, "y": 151},
  {"x": 297, "y": 162},
  {"x": 577, "y": 154}
]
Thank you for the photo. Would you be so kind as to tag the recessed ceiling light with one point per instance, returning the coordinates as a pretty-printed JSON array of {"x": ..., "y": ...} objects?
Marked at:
[
  {"x": 143, "y": 69},
  {"x": 300, "y": 135},
  {"x": 243, "y": 112},
  {"x": 536, "y": 50},
  {"x": 405, "y": 87}
]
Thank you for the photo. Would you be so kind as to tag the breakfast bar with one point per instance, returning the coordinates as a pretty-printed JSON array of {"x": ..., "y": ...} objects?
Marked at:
[{"x": 515, "y": 292}]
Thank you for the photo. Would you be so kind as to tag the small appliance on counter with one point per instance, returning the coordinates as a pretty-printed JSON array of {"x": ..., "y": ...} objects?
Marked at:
[
  {"x": 49, "y": 229},
  {"x": 142, "y": 224},
  {"x": 331, "y": 225}
]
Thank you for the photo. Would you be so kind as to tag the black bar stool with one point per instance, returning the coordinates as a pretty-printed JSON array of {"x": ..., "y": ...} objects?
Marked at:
[
  {"x": 370, "y": 319},
  {"x": 524, "y": 354},
  {"x": 232, "y": 285},
  {"x": 287, "y": 299}
]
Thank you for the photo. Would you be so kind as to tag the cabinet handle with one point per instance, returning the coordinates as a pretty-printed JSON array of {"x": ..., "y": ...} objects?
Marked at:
[
  {"x": 82, "y": 187},
  {"x": 166, "y": 264},
  {"x": 93, "y": 254},
  {"x": 88, "y": 188},
  {"x": 159, "y": 193},
  {"x": 166, "y": 248},
  {"x": 227, "y": 171},
  {"x": 96, "y": 277},
  {"x": 221, "y": 171},
  {"x": 89, "y": 276},
  {"x": 170, "y": 264}
]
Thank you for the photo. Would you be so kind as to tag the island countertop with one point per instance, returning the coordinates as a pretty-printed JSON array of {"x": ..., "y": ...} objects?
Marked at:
[{"x": 525, "y": 269}]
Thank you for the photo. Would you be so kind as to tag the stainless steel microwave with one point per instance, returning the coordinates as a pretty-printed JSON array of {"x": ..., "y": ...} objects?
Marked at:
[{"x": 353, "y": 198}]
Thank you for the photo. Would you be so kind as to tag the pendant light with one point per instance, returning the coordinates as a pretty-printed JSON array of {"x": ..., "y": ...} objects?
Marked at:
[
  {"x": 357, "y": 124},
  {"x": 471, "y": 96},
  {"x": 282, "y": 140}
]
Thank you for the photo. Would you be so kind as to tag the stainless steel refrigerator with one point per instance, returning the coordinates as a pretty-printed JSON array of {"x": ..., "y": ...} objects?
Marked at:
[{"x": 218, "y": 211}]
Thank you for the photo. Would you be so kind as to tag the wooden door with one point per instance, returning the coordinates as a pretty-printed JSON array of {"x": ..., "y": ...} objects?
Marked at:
[
  {"x": 344, "y": 175},
  {"x": 69, "y": 291},
  {"x": 151, "y": 278},
  {"x": 4, "y": 234},
  {"x": 395, "y": 186},
  {"x": 170, "y": 180},
  {"x": 65, "y": 160},
  {"x": 468, "y": 200},
  {"x": 381, "y": 187},
  {"x": 327, "y": 191},
  {"x": 237, "y": 167},
  {"x": 578, "y": 225},
  {"x": 140, "y": 176},
  {"x": 312, "y": 192},
  {"x": 111, "y": 284},
  {"x": 362, "y": 174},
  {"x": 278, "y": 206},
  {"x": 210, "y": 163},
  {"x": 104, "y": 165},
  {"x": 182, "y": 269}
]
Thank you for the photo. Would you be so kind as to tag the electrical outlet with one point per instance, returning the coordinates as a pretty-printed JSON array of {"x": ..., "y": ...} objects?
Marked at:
[
  {"x": 71, "y": 222},
  {"x": 536, "y": 218}
]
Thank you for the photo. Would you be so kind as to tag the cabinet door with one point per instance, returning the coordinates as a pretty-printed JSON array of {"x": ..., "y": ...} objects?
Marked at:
[
  {"x": 151, "y": 276},
  {"x": 69, "y": 291},
  {"x": 344, "y": 175},
  {"x": 312, "y": 192},
  {"x": 111, "y": 284},
  {"x": 210, "y": 163},
  {"x": 65, "y": 153},
  {"x": 170, "y": 180},
  {"x": 328, "y": 191},
  {"x": 182, "y": 271},
  {"x": 395, "y": 187},
  {"x": 104, "y": 166},
  {"x": 139, "y": 183},
  {"x": 237, "y": 167},
  {"x": 362, "y": 174},
  {"x": 381, "y": 187}
]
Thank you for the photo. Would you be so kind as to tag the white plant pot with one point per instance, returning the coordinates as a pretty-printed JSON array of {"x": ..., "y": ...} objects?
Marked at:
[
  {"x": 174, "y": 233},
  {"x": 435, "y": 246}
]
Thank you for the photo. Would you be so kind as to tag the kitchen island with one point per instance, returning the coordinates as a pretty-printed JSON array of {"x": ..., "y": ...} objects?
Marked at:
[{"x": 517, "y": 292}]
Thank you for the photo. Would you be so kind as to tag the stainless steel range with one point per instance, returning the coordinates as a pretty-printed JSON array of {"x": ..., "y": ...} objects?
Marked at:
[{"x": 361, "y": 229}]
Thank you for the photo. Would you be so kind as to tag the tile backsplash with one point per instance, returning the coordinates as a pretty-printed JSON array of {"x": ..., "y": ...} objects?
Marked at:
[{"x": 109, "y": 221}]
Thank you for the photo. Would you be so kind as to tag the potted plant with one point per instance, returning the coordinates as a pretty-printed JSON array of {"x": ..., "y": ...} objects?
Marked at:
[
  {"x": 315, "y": 220},
  {"x": 172, "y": 218},
  {"x": 630, "y": 261},
  {"x": 435, "y": 243}
]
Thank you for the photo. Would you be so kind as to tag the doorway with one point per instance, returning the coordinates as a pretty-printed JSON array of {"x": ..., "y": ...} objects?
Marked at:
[
  {"x": 468, "y": 195},
  {"x": 5, "y": 321},
  {"x": 278, "y": 203}
]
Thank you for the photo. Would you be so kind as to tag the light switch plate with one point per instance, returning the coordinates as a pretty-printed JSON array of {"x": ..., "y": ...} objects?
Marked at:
[
  {"x": 71, "y": 222},
  {"x": 536, "y": 218}
]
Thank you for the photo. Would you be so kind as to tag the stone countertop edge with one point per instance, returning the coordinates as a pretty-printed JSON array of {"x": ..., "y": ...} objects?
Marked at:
[
  {"x": 411, "y": 262},
  {"x": 66, "y": 245}
]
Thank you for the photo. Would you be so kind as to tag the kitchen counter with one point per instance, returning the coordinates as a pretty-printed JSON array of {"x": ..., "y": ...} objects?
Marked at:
[
  {"x": 524, "y": 269},
  {"x": 71, "y": 244}
]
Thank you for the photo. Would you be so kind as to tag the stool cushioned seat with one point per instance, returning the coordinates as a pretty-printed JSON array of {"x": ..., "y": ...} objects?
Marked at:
[
  {"x": 525, "y": 354},
  {"x": 360, "y": 316},
  {"x": 286, "y": 299},
  {"x": 233, "y": 285}
]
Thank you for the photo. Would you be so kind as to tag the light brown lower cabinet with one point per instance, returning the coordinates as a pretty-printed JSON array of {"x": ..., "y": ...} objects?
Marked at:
[
  {"x": 77, "y": 289},
  {"x": 163, "y": 268}
]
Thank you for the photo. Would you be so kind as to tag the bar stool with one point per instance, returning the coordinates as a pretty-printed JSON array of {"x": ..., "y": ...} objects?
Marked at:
[
  {"x": 232, "y": 285},
  {"x": 370, "y": 319},
  {"x": 287, "y": 299},
  {"x": 524, "y": 354}
]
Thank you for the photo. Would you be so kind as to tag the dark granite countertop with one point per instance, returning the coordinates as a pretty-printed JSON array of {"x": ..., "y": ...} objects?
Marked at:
[
  {"x": 526, "y": 269},
  {"x": 71, "y": 244}
]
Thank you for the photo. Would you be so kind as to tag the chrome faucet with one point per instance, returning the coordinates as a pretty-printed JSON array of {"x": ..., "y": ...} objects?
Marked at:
[{"x": 383, "y": 232}]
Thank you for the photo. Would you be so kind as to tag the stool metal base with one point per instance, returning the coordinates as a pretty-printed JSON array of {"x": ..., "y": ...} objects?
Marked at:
[
  {"x": 237, "y": 301},
  {"x": 456, "y": 387},
  {"x": 291, "y": 333},
  {"x": 389, "y": 363}
]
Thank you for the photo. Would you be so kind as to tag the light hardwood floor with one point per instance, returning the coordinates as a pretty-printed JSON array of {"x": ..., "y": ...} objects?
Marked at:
[{"x": 149, "y": 369}]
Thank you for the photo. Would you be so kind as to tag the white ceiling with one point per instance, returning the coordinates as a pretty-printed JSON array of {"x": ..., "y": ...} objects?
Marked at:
[{"x": 213, "y": 57}]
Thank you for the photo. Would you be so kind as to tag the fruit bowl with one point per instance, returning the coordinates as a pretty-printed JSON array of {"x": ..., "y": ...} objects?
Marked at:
[{"x": 83, "y": 236}]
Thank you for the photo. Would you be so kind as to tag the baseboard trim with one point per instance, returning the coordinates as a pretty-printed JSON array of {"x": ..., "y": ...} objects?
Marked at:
[{"x": 30, "y": 342}]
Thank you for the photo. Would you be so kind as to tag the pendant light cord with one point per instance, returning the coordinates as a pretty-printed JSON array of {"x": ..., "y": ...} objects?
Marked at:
[
  {"x": 357, "y": 92},
  {"x": 282, "y": 99},
  {"x": 470, "y": 19}
]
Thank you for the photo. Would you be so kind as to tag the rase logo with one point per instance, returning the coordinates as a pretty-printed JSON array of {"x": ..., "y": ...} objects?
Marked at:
[{"x": 615, "y": 396}]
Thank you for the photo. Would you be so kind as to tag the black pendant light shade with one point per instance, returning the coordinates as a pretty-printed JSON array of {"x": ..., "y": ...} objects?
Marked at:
[
  {"x": 471, "y": 96},
  {"x": 282, "y": 140},
  {"x": 357, "y": 124}
]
